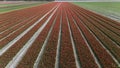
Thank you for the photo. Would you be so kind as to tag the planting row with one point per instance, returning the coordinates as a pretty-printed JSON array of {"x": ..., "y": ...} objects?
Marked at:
[
  {"x": 21, "y": 38},
  {"x": 84, "y": 15},
  {"x": 10, "y": 35},
  {"x": 62, "y": 36},
  {"x": 105, "y": 36}
]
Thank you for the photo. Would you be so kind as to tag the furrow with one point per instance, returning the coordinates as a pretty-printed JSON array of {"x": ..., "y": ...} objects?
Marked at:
[
  {"x": 73, "y": 45},
  {"x": 32, "y": 53},
  {"x": 4, "y": 49},
  {"x": 108, "y": 50},
  {"x": 16, "y": 25},
  {"x": 87, "y": 44},
  {"x": 15, "y": 48},
  {"x": 58, "y": 45},
  {"x": 96, "y": 46},
  {"x": 67, "y": 59},
  {"x": 110, "y": 47},
  {"x": 36, "y": 64},
  {"x": 14, "y": 34},
  {"x": 108, "y": 32},
  {"x": 14, "y": 62}
]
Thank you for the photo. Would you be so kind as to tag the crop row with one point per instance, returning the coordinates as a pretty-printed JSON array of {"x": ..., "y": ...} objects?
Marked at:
[
  {"x": 62, "y": 36},
  {"x": 88, "y": 23},
  {"x": 110, "y": 31},
  {"x": 104, "y": 36},
  {"x": 13, "y": 34},
  {"x": 67, "y": 59},
  {"x": 19, "y": 44},
  {"x": 81, "y": 45},
  {"x": 11, "y": 52},
  {"x": 8, "y": 25},
  {"x": 22, "y": 16}
]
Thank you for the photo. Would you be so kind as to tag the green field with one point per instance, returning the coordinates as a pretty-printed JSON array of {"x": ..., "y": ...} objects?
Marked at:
[
  {"x": 5, "y": 5},
  {"x": 11, "y": 7},
  {"x": 111, "y": 9}
]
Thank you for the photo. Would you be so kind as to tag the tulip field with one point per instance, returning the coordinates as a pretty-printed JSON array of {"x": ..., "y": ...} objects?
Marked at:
[{"x": 58, "y": 35}]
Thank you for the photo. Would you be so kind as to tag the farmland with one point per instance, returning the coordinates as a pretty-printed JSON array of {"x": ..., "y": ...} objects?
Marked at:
[
  {"x": 11, "y": 6},
  {"x": 109, "y": 9},
  {"x": 58, "y": 35}
]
